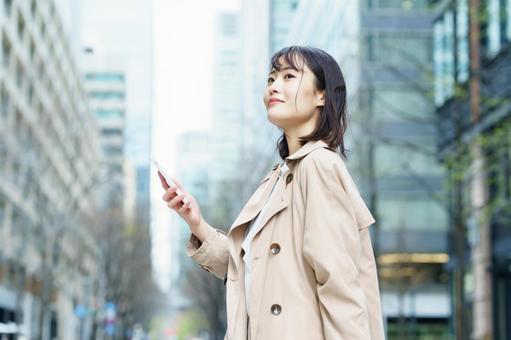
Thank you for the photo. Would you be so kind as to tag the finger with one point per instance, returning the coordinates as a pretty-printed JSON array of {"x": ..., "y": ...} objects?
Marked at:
[
  {"x": 183, "y": 208},
  {"x": 164, "y": 183},
  {"x": 178, "y": 184},
  {"x": 168, "y": 194},
  {"x": 174, "y": 202}
]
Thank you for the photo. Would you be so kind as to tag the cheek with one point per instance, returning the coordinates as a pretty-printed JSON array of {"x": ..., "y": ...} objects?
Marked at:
[{"x": 305, "y": 101}]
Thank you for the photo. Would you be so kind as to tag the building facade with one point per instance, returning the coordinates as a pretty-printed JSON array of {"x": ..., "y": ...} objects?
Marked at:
[
  {"x": 479, "y": 266},
  {"x": 49, "y": 162},
  {"x": 384, "y": 49}
]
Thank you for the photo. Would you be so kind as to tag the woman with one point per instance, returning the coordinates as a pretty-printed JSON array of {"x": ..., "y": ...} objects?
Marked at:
[{"x": 298, "y": 261}]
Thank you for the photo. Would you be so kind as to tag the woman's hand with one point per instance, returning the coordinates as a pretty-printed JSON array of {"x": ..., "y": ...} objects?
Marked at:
[{"x": 183, "y": 203}]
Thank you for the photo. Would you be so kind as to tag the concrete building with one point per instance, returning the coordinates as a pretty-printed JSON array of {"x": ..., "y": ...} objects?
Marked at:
[{"x": 49, "y": 162}]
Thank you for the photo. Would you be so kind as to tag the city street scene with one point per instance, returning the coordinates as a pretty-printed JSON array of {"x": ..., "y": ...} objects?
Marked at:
[{"x": 104, "y": 103}]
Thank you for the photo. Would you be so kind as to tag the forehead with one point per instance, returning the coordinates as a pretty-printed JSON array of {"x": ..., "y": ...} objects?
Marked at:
[{"x": 292, "y": 62}]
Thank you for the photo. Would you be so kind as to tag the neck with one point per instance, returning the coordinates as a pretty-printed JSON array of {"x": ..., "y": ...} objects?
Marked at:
[
  {"x": 293, "y": 135},
  {"x": 293, "y": 144}
]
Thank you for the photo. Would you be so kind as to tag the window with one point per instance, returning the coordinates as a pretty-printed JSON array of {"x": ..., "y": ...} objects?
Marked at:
[
  {"x": 401, "y": 4},
  {"x": 21, "y": 27},
  {"x": 112, "y": 151},
  {"x": 508, "y": 20},
  {"x": 8, "y": 6},
  {"x": 19, "y": 75},
  {"x": 32, "y": 49},
  {"x": 33, "y": 8},
  {"x": 493, "y": 27},
  {"x": 43, "y": 29},
  {"x": 106, "y": 95},
  {"x": 30, "y": 93},
  {"x": 4, "y": 103},
  {"x": 6, "y": 52},
  {"x": 111, "y": 132},
  {"x": 443, "y": 57},
  {"x": 462, "y": 66},
  {"x": 107, "y": 77},
  {"x": 400, "y": 103},
  {"x": 2, "y": 205},
  {"x": 103, "y": 113},
  {"x": 399, "y": 48}
]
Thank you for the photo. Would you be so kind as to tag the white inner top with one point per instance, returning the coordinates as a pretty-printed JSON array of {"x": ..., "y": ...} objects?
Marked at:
[{"x": 251, "y": 231}]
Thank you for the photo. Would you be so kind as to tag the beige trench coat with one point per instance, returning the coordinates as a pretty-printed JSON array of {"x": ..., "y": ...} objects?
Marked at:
[{"x": 314, "y": 274}]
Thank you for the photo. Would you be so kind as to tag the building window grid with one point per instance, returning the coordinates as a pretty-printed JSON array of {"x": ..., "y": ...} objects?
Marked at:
[{"x": 19, "y": 71}]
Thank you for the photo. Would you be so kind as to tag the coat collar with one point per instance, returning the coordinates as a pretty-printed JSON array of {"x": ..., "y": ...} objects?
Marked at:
[
  {"x": 304, "y": 151},
  {"x": 258, "y": 199}
]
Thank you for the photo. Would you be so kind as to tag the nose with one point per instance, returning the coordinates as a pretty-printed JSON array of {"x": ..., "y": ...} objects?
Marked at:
[{"x": 273, "y": 88}]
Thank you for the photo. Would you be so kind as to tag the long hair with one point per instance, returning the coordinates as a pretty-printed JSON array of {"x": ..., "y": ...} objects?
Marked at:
[{"x": 332, "y": 120}]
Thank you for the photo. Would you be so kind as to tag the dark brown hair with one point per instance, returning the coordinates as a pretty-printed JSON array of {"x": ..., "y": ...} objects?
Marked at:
[{"x": 332, "y": 120}]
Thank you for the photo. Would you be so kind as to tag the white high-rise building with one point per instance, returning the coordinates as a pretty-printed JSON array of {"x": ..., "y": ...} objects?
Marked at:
[
  {"x": 49, "y": 164},
  {"x": 121, "y": 32},
  {"x": 105, "y": 86},
  {"x": 265, "y": 28},
  {"x": 227, "y": 104},
  {"x": 256, "y": 134}
]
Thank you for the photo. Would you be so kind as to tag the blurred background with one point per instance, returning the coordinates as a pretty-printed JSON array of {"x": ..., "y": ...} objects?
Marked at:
[{"x": 90, "y": 89}]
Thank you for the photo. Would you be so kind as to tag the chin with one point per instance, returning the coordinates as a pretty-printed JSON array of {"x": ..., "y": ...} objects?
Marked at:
[{"x": 280, "y": 123}]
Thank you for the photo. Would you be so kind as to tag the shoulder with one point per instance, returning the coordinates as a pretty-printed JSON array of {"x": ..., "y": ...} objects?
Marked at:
[
  {"x": 323, "y": 170},
  {"x": 323, "y": 161}
]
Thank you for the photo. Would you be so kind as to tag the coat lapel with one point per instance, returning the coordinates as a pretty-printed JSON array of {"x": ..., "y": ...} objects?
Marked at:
[{"x": 256, "y": 202}]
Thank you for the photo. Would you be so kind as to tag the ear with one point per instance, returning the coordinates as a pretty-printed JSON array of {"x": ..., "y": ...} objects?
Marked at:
[{"x": 320, "y": 98}]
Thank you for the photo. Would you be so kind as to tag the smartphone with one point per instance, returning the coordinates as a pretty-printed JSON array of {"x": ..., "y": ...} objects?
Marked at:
[{"x": 167, "y": 178}]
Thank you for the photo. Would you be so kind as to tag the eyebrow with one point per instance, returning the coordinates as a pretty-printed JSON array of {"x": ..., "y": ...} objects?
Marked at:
[{"x": 282, "y": 69}]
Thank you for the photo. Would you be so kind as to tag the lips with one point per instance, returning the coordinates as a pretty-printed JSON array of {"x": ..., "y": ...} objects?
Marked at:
[{"x": 274, "y": 101}]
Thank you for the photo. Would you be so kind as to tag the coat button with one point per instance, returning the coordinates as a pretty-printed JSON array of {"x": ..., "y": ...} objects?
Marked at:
[
  {"x": 276, "y": 309},
  {"x": 289, "y": 178},
  {"x": 275, "y": 248}
]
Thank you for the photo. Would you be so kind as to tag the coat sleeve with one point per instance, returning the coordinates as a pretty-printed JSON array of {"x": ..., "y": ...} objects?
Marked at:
[
  {"x": 332, "y": 247},
  {"x": 212, "y": 254},
  {"x": 368, "y": 278}
]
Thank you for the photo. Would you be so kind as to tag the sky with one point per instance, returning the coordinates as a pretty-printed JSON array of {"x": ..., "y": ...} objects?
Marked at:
[{"x": 183, "y": 79}]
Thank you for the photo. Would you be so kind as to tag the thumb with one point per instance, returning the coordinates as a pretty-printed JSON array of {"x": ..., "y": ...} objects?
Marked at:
[{"x": 164, "y": 183}]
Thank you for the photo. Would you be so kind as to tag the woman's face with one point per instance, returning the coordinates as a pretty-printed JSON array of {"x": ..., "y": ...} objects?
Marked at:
[{"x": 290, "y": 97}]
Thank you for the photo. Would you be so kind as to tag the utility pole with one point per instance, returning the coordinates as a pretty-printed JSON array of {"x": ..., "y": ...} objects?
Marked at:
[{"x": 481, "y": 258}]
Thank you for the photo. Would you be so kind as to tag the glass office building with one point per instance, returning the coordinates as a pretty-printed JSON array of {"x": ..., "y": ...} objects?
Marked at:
[{"x": 458, "y": 131}]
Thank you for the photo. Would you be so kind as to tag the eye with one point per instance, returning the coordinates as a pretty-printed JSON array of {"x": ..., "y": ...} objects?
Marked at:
[
  {"x": 289, "y": 74},
  {"x": 270, "y": 79}
]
